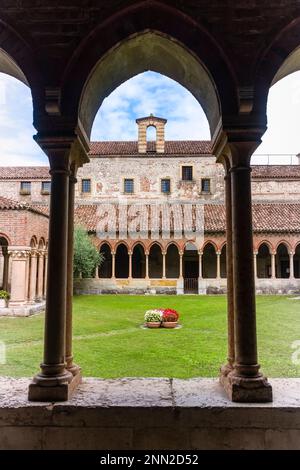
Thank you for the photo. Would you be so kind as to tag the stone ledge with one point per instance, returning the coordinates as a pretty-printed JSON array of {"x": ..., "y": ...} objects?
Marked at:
[
  {"x": 22, "y": 310},
  {"x": 135, "y": 413}
]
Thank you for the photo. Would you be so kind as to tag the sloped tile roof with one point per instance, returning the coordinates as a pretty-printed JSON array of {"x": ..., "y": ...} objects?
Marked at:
[
  {"x": 276, "y": 171},
  {"x": 10, "y": 204},
  {"x": 172, "y": 147},
  {"x": 23, "y": 172},
  {"x": 269, "y": 217}
]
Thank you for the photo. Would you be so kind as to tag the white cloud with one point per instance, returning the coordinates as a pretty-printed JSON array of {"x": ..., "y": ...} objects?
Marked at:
[{"x": 144, "y": 94}]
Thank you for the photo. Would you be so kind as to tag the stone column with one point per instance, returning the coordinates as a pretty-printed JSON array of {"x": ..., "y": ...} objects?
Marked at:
[
  {"x": 19, "y": 257},
  {"x": 218, "y": 253},
  {"x": 130, "y": 265},
  {"x": 52, "y": 383},
  {"x": 40, "y": 276},
  {"x": 70, "y": 366},
  {"x": 180, "y": 264},
  {"x": 46, "y": 271},
  {"x": 229, "y": 275},
  {"x": 245, "y": 381},
  {"x": 200, "y": 264},
  {"x": 5, "y": 269},
  {"x": 255, "y": 264},
  {"x": 164, "y": 265},
  {"x": 273, "y": 265},
  {"x": 33, "y": 273},
  {"x": 147, "y": 265},
  {"x": 113, "y": 265},
  {"x": 292, "y": 275}
]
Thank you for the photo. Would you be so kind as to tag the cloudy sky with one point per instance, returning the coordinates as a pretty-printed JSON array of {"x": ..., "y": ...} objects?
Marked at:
[{"x": 144, "y": 94}]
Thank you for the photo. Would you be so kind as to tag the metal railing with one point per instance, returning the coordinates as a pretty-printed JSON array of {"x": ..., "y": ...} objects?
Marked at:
[
  {"x": 190, "y": 285},
  {"x": 275, "y": 159}
]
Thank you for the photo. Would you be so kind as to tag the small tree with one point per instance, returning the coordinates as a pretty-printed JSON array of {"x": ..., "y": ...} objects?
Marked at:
[{"x": 86, "y": 256}]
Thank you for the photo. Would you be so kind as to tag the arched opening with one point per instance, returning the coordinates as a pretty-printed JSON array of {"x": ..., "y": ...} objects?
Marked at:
[
  {"x": 138, "y": 262},
  {"x": 209, "y": 262},
  {"x": 172, "y": 262},
  {"x": 282, "y": 262},
  {"x": 4, "y": 259},
  {"x": 297, "y": 262},
  {"x": 263, "y": 262},
  {"x": 155, "y": 262},
  {"x": 148, "y": 51},
  {"x": 223, "y": 268},
  {"x": 105, "y": 268},
  {"x": 190, "y": 262},
  {"x": 122, "y": 262},
  {"x": 151, "y": 134}
]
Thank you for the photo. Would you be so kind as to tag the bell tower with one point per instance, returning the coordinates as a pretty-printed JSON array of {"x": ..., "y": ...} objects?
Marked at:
[{"x": 159, "y": 124}]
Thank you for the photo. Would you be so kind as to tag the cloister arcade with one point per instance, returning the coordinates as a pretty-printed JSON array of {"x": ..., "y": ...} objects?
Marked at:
[
  {"x": 230, "y": 76},
  {"x": 173, "y": 261}
]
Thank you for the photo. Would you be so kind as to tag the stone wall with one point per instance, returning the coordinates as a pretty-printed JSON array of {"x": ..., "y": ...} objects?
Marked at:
[{"x": 139, "y": 413}]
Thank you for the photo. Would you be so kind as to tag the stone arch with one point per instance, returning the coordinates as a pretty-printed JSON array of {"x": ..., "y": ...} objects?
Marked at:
[
  {"x": 266, "y": 242},
  {"x": 122, "y": 261},
  {"x": 209, "y": 261},
  {"x": 17, "y": 59},
  {"x": 140, "y": 38},
  {"x": 190, "y": 261},
  {"x": 263, "y": 261},
  {"x": 105, "y": 268},
  {"x": 33, "y": 242},
  {"x": 42, "y": 243},
  {"x": 280, "y": 59},
  {"x": 138, "y": 261},
  {"x": 282, "y": 260},
  {"x": 172, "y": 261},
  {"x": 296, "y": 260},
  {"x": 155, "y": 261}
]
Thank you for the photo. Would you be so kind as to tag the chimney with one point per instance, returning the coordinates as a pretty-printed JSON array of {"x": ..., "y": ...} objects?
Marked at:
[{"x": 159, "y": 124}]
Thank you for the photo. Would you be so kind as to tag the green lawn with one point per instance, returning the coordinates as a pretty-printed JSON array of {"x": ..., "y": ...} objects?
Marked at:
[{"x": 109, "y": 342}]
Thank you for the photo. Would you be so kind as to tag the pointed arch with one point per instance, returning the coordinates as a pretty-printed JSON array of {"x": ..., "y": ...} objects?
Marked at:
[
  {"x": 155, "y": 261},
  {"x": 138, "y": 261}
]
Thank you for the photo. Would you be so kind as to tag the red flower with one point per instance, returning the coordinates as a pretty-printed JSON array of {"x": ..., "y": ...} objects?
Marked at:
[{"x": 170, "y": 315}]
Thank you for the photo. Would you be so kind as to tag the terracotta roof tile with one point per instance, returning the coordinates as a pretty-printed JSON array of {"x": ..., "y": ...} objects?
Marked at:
[
  {"x": 276, "y": 171},
  {"x": 172, "y": 147},
  {"x": 30, "y": 172},
  {"x": 269, "y": 217},
  {"x": 10, "y": 204}
]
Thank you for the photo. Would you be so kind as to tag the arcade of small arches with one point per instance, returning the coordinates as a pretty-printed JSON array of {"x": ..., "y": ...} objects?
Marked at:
[
  {"x": 23, "y": 271},
  {"x": 154, "y": 261}
]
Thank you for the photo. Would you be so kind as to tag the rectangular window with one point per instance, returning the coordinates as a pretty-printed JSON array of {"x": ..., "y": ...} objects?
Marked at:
[
  {"x": 86, "y": 186},
  {"x": 187, "y": 173},
  {"x": 46, "y": 187},
  {"x": 25, "y": 187},
  {"x": 166, "y": 185},
  {"x": 205, "y": 185},
  {"x": 128, "y": 186}
]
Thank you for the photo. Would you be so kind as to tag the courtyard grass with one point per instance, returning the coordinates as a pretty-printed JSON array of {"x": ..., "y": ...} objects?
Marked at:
[{"x": 109, "y": 341}]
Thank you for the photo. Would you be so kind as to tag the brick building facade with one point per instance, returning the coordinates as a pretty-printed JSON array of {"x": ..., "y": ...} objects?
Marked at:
[{"x": 155, "y": 209}]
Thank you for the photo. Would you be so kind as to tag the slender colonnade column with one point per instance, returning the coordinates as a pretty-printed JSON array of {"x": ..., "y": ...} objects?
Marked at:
[{"x": 52, "y": 383}]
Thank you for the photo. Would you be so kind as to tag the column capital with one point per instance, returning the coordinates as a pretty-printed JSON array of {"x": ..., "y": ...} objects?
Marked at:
[
  {"x": 34, "y": 253},
  {"x": 291, "y": 253},
  {"x": 18, "y": 254},
  {"x": 218, "y": 253}
]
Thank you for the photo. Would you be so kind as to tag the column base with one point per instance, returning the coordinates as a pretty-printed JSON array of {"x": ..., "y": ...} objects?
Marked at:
[
  {"x": 245, "y": 389},
  {"x": 61, "y": 391}
]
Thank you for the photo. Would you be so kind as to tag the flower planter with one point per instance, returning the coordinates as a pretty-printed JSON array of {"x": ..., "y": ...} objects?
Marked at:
[
  {"x": 153, "y": 324},
  {"x": 169, "y": 324}
]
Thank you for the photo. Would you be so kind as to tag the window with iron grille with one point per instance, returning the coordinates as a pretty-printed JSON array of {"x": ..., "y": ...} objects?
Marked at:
[
  {"x": 128, "y": 185},
  {"x": 165, "y": 185},
  {"x": 46, "y": 187},
  {"x": 25, "y": 187},
  {"x": 86, "y": 186},
  {"x": 187, "y": 173},
  {"x": 205, "y": 185}
]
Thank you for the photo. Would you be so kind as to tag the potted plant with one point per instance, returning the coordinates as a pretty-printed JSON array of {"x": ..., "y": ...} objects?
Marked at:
[
  {"x": 169, "y": 318},
  {"x": 4, "y": 298},
  {"x": 153, "y": 318}
]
